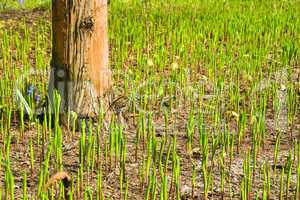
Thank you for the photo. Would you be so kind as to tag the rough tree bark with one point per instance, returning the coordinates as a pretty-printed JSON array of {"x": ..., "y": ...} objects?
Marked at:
[{"x": 80, "y": 70}]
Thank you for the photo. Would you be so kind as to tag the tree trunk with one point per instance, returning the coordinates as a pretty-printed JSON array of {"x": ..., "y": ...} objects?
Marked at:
[{"x": 80, "y": 70}]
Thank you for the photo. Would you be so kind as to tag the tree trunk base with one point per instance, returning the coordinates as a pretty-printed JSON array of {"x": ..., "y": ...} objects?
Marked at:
[{"x": 80, "y": 71}]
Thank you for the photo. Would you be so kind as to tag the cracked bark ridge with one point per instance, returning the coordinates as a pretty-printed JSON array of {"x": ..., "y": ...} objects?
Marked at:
[{"x": 80, "y": 70}]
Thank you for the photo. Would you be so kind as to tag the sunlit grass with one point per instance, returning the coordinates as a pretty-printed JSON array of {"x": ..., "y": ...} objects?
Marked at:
[
  {"x": 24, "y": 4},
  {"x": 211, "y": 103}
]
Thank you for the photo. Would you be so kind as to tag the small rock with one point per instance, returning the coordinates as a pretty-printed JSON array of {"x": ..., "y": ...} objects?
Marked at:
[
  {"x": 282, "y": 87},
  {"x": 186, "y": 192}
]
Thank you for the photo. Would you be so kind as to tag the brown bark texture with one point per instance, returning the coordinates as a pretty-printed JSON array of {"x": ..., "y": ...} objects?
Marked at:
[{"x": 80, "y": 69}]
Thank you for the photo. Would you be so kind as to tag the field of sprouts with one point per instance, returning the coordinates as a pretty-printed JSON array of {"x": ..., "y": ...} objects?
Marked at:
[{"x": 205, "y": 105}]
